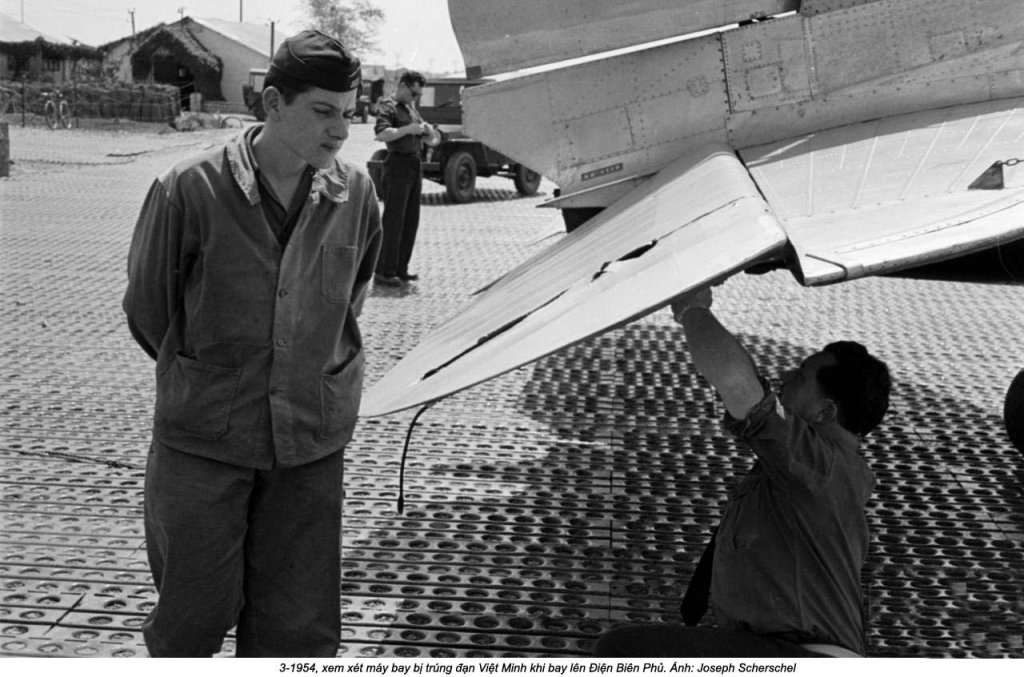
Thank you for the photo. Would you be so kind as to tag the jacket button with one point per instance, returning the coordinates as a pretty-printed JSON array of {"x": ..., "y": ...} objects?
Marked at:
[
  {"x": 281, "y": 342},
  {"x": 283, "y": 293}
]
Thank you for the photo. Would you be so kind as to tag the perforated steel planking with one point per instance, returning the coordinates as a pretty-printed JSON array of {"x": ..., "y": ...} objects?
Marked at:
[{"x": 542, "y": 507}]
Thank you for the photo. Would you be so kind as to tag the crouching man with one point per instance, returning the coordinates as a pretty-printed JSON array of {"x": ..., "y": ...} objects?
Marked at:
[{"x": 783, "y": 570}]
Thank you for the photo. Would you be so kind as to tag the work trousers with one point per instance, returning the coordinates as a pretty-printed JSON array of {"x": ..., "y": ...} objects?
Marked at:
[
  {"x": 402, "y": 179},
  {"x": 230, "y": 546},
  {"x": 665, "y": 640}
]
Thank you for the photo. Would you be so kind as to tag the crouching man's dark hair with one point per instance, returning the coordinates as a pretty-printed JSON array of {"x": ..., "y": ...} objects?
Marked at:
[{"x": 858, "y": 383}]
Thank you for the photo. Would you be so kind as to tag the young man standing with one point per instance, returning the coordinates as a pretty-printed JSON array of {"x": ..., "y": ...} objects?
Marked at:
[
  {"x": 400, "y": 126},
  {"x": 247, "y": 270},
  {"x": 783, "y": 570}
]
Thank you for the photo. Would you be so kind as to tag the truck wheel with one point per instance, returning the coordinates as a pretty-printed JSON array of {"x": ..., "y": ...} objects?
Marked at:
[
  {"x": 526, "y": 180},
  {"x": 365, "y": 115},
  {"x": 460, "y": 176},
  {"x": 1013, "y": 411},
  {"x": 375, "y": 168}
]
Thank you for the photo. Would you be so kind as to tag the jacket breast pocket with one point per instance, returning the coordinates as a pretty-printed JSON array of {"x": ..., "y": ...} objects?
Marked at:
[
  {"x": 338, "y": 265},
  {"x": 196, "y": 397},
  {"x": 340, "y": 394}
]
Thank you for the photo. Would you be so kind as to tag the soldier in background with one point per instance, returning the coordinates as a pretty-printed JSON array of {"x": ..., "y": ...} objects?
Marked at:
[{"x": 400, "y": 126}]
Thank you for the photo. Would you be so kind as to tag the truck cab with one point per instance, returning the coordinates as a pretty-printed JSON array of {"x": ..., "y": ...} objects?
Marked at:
[
  {"x": 458, "y": 160},
  {"x": 252, "y": 93},
  {"x": 369, "y": 92}
]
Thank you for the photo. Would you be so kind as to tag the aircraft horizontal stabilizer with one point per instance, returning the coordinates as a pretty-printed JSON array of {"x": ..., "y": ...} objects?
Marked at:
[
  {"x": 497, "y": 36},
  {"x": 901, "y": 192},
  {"x": 698, "y": 220}
]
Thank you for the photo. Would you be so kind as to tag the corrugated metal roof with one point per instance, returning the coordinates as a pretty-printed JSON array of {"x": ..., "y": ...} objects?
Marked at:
[
  {"x": 254, "y": 36},
  {"x": 12, "y": 30}
]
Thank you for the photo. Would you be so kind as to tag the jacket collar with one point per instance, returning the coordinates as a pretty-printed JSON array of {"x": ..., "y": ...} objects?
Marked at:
[{"x": 330, "y": 183}]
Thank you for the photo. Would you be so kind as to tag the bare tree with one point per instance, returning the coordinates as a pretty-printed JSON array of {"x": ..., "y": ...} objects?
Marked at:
[{"x": 354, "y": 22}]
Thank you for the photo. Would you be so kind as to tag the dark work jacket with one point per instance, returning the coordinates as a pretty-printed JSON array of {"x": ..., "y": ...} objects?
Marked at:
[
  {"x": 391, "y": 113},
  {"x": 794, "y": 535},
  {"x": 259, "y": 357}
]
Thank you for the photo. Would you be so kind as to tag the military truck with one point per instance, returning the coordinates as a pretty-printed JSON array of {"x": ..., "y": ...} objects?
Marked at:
[
  {"x": 252, "y": 93},
  {"x": 369, "y": 92},
  {"x": 458, "y": 159}
]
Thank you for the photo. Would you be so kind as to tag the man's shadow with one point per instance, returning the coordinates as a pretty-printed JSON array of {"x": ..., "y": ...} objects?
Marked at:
[
  {"x": 530, "y": 539},
  {"x": 944, "y": 574}
]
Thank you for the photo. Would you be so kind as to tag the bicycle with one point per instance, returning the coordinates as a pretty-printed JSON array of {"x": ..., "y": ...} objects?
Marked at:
[{"x": 57, "y": 110}]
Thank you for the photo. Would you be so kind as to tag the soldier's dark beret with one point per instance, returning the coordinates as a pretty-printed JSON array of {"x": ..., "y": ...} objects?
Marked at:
[{"x": 315, "y": 58}]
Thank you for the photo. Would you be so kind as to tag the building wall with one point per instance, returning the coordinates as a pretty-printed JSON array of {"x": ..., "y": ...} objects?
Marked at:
[
  {"x": 56, "y": 70},
  {"x": 39, "y": 67},
  {"x": 117, "y": 61},
  {"x": 236, "y": 60}
]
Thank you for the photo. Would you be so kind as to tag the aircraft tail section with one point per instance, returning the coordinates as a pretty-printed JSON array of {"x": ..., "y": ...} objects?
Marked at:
[
  {"x": 903, "y": 192},
  {"x": 650, "y": 107},
  {"x": 498, "y": 36}
]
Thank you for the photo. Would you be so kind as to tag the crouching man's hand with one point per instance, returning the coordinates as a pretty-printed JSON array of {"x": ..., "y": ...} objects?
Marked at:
[{"x": 697, "y": 298}]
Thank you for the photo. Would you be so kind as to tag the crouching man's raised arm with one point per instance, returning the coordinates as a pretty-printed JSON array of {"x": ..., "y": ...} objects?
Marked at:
[{"x": 718, "y": 355}]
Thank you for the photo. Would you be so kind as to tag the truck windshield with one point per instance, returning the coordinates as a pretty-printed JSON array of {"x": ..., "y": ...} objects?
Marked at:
[{"x": 436, "y": 97}]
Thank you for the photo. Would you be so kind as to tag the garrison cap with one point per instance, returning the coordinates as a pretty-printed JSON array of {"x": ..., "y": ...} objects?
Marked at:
[{"x": 317, "y": 59}]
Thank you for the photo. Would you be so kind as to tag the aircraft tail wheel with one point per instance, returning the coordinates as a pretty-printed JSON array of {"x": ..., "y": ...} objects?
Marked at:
[{"x": 1013, "y": 412}]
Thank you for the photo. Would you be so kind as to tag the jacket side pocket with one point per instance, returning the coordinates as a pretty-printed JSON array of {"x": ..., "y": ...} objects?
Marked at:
[
  {"x": 196, "y": 397},
  {"x": 340, "y": 394}
]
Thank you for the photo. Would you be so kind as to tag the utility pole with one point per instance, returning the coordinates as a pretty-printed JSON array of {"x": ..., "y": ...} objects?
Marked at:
[
  {"x": 131, "y": 13},
  {"x": 240, "y": 11},
  {"x": 271, "y": 40},
  {"x": 181, "y": 13}
]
